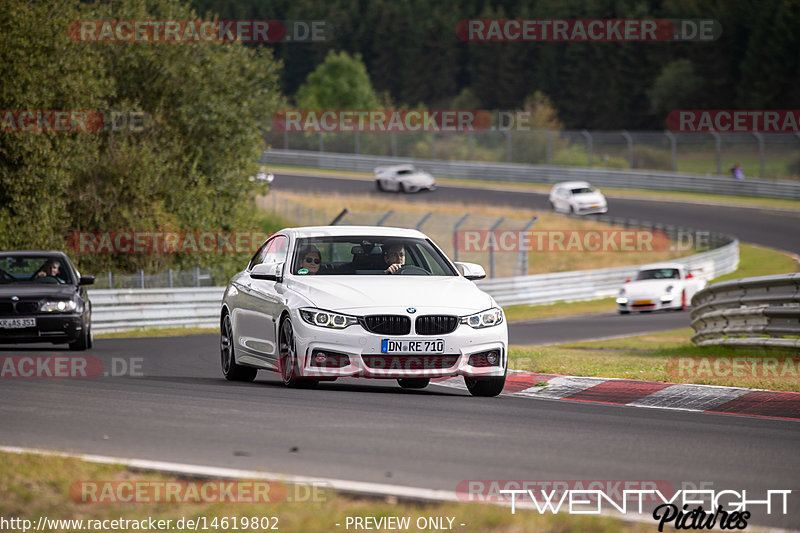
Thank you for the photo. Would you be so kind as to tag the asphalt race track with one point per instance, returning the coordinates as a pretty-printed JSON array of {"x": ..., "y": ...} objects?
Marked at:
[
  {"x": 768, "y": 228},
  {"x": 182, "y": 410}
]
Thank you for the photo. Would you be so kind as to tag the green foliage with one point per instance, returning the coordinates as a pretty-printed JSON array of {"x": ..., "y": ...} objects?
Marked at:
[
  {"x": 186, "y": 170},
  {"x": 340, "y": 82},
  {"x": 675, "y": 88}
]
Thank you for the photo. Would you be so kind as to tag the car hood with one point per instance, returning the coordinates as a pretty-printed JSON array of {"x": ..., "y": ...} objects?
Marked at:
[
  {"x": 371, "y": 293},
  {"x": 649, "y": 287},
  {"x": 36, "y": 290},
  {"x": 589, "y": 197}
]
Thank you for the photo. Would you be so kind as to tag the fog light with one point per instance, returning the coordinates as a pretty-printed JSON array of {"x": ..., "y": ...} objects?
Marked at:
[
  {"x": 622, "y": 301},
  {"x": 492, "y": 358},
  {"x": 320, "y": 358}
]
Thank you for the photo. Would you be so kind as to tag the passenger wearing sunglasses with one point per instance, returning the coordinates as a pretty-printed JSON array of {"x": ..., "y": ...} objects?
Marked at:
[{"x": 310, "y": 259}]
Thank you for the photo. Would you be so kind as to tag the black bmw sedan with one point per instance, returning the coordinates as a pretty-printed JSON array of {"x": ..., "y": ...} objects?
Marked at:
[{"x": 43, "y": 299}]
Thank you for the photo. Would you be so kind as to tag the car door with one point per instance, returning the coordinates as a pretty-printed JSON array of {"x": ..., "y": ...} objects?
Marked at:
[{"x": 259, "y": 305}]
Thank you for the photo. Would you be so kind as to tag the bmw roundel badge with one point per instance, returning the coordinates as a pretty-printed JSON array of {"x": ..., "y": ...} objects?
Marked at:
[{"x": 411, "y": 310}]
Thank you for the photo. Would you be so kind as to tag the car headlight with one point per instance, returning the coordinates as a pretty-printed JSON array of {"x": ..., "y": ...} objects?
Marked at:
[
  {"x": 58, "y": 306},
  {"x": 484, "y": 319},
  {"x": 622, "y": 291},
  {"x": 327, "y": 319},
  {"x": 669, "y": 288}
]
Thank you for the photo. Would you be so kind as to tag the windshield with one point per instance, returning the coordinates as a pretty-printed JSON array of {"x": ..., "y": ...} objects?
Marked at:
[
  {"x": 582, "y": 190},
  {"x": 659, "y": 273},
  {"x": 33, "y": 269},
  {"x": 368, "y": 255}
]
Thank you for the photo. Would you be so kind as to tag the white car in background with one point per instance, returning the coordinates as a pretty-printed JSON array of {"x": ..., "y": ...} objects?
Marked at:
[
  {"x": 318, "y": 303},
  {"x": 658, "y": 286},
  {"x": 577, "y": 197},
  {"x": 405, "y": 178}
]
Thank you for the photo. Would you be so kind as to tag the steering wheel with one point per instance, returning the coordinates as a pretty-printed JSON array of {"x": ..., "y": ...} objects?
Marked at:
[{"x": 412, "y": 270}]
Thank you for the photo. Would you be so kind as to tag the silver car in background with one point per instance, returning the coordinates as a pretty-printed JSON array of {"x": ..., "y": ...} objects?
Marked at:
[{"x": 403, "y": 178}]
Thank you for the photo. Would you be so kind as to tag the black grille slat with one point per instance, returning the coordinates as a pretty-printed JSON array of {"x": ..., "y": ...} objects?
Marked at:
[
  {"x": 24, "y": 308},
  {"x": 6, "y": 308},
  {"x": 435, "y": 324},
  {"x": 387, "y": 324}
]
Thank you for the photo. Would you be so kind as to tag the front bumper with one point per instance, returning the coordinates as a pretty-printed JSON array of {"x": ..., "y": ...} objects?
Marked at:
[
  {"x": 360, "y": 353},
  {"x": 58, "y": 329},
  {"x": 647, "y": 304},
  {"x": 589, "y": 210}
]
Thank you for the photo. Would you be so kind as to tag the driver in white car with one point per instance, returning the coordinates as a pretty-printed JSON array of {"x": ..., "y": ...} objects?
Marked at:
[{"x": 395, "y": 258}]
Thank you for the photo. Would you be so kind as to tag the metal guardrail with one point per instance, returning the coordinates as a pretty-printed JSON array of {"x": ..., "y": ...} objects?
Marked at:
[
  {"x": 125, "y": 309},
  {"x": 547, "y": 174},
  {"x": 760, "y": 311},
  {"x": 117, "y": 310}
]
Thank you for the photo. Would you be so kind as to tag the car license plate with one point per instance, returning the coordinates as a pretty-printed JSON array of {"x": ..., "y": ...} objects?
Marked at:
[
  {"x": 412, "y": 346},
  {"x": 643, "y": 302},
  {"x": 13, "y": 323}
]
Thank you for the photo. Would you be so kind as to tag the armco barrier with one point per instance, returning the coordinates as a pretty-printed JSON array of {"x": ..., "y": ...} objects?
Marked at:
[
  {"x": 124, "y": 309},
  {"x": 117, "y": 310},
  {"x": 761, "y": 311},
  {"x": 513, "y": 172}
]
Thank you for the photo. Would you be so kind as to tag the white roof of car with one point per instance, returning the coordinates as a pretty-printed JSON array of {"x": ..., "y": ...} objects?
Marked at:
[
  {"x": 661, "y": 265},
  {"x": 378, "y": 231},
  {"x": 571, "y": 184}
]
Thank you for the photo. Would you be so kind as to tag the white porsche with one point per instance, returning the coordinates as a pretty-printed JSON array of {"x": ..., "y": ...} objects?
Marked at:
[
  {"x": 658, "y": 286},
  {"x": 405, "y": 178},
  {"x": 318, "y": 303}
]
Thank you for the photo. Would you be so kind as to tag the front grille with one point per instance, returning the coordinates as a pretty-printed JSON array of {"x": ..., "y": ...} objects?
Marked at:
[
  {"x": 27, "y": 307},
  {"x": 409, "y": 362},
  {"x": 19, "y": 308},
  {"x": 435, "y": 324},
  {"x": 387, "y": 324}
]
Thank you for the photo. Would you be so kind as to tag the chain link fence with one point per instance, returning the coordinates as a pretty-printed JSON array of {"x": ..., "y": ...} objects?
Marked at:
[{"x": 762, "y": 155}]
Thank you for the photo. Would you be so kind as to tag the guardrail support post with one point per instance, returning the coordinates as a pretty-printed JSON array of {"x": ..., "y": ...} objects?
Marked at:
[
  {"x": 433, "y": 145},
  {"x": 110, "y": 282},
  {"x": 394, "y": 143},
  {"x": 549, "y": 148},
  {"x": 321, "y": 142},
  {"x": 760, "y": 139},
  {"x": 141, "y": 278},
  {"x": 471, "y": 146},
  {"x": 629, "y": 140},
  {"x": 718, "y": 140},
  {"x": 385, "y": 217},
  {"x": 508, "y": 146},
  {"x": 169, "y": 278},
  {"x": 523, "y": 251},
  {"x": 197, "y": 276},
  {"x": 673, "y": 146},
  {"x": 423, "y": 220},
  {"x": 589, "y": 146},
  {"x": 285, "y": 140},
  {"x": 455, "y": 235},
  {"x": 491, "y": 249},
  {"x": 358, "y": 146}
]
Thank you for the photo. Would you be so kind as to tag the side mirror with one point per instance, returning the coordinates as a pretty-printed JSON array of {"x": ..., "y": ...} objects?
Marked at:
[
  {"x": 471, "y": 271},
  {"x": 268, "y": 271},
  {"x": 86, "y": 280}
]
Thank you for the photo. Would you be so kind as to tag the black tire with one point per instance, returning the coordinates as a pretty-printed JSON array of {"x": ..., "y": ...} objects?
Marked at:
[
  {"x": 379, "y": 185},
  {"x": 413, "y": 383},
  {"x": 405, "y": 188},
  {"x": 84, "y": 341},
  {"x": 552, "y": 206},
  {"x": 571, "y": 210},
  {"x": 230, "y": 369},
  {"x": 287, "y": 359},
  {"x": 485, "y": 387},
  {"x": 623, "y": 312}
]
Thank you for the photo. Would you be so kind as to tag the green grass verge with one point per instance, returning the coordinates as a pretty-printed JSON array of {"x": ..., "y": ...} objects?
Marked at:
[
  {"x": 35, "y": 486},
  {"x": 154, "y": 332},
  {"x": 528, "y": 312},
  {"x": 678, "y": 196},
  {"x": 666, "y": 356}
]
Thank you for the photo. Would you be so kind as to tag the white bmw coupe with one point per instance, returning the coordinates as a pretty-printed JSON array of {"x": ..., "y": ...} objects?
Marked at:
[{"x": 318, "y": 303}]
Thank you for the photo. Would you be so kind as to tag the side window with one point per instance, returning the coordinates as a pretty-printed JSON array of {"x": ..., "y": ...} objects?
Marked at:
[{"x": 276, "y": 250}]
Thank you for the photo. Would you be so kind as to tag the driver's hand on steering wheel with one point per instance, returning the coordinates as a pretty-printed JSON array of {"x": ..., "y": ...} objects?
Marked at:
[{"x": 393, "y": 268}]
